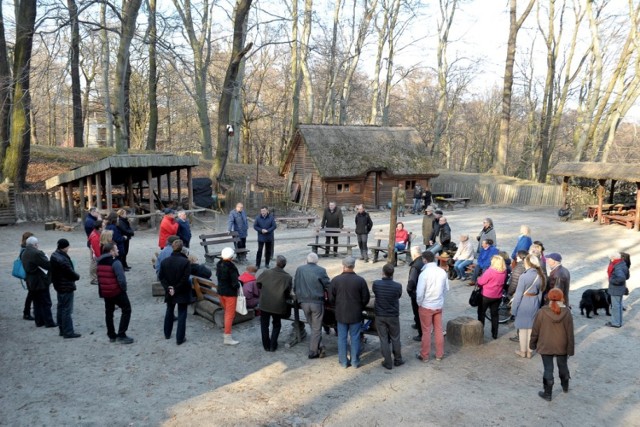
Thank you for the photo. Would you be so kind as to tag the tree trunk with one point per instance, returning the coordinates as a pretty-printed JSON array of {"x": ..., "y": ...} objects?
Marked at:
[
  {"x": 237, "y": 54},
  {"x": 153, "y": 79},
  {"x": 17, "y": 155},
  {"x": 295, "y": 71},
  {"x": 304, "y": 58},
  {"x": 328, "y": 111},
  {"x": 74, "y": 62},
  {"x": 106, "y": 65},
  {"x": 129, "y": 14},
  {"x": 391, "y": 55},
  {"x": 500, "y": 163},
  {"x": 5, "y": 95}
]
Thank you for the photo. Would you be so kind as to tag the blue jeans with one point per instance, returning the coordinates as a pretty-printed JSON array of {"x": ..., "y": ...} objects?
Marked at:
[
  {"x": 616, "y": 310},
  {"x": 65, "y": 309},
  {"x": 353, "y": 329},
  {"x": 417, "y": 205},
  {"x": 400, "y": 247},
  {"x": 435, "y": 249},
  {"x": 460, "y": 266}
]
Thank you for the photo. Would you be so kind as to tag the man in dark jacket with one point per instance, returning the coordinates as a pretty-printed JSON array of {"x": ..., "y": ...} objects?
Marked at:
[
  {"x": 184, "y": 229},
  {"x": 387, "y": 309},
  {"x": 417, "y": 199},
  {"x": 37, "y": 267},
  {"x": 363, "y": 227},
  {"x": 265, "y": 225},
  {"x": 618, "y": 272},
  {"x": 239, "y": 223},
  {"x": 351, "y": 295},
  {"x": 112, "y": 286},
  {"x": 440, "y": 236},
  {"x": 559, "y": 277},
  {"x": 275, "y": 287},
  {"x": 332, "y": 218},
  {"x": 310, "y": 283},
  {"x": 414, "y": 272},
  {"x": 64, "y": 277},
  {"x": 174, "y": 276}
]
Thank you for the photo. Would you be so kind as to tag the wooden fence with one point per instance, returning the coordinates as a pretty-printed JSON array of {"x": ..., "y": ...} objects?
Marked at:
[{"x": 38, "y": 206}]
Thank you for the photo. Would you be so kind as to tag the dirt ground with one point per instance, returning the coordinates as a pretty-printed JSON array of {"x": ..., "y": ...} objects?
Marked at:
[{"x": 46, "y": 380}]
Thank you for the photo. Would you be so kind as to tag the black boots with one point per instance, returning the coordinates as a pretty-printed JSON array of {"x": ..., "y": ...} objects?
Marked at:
[
  {"x": 548, "y": 386},
  {"x": 564, "y": 381}
]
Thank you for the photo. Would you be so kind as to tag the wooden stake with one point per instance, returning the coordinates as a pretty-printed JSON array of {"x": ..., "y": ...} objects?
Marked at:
[{"x": 393, "y": 220}]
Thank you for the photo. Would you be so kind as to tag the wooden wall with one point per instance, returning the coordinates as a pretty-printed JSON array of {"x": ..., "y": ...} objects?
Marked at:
[
  {"x": 38, "y": 206},
  {"x": 8, "y": 206}
]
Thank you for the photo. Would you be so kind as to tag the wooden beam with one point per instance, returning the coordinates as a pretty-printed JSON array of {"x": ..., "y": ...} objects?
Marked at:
[
  {"x": 178, "y": 186},
  {"x": 393, "y": 221},
  {"x": 565, "y": 192},
  {"x": 169, "y": 185},
  {"x": 63, "y": 201},
  {"x": 612, "y": 190},
  {"x": 637, "y": 225},
  {"x": 108, "y": 189},
  {"x": 89, "y": 191},
  {"x": 69, "y": 191},
  {"x": 82, "y": 204},
  {"x": 159, "y": 189},
  {"x": 190, "y": 187},
  {"x": 99, "y": 191},
  {"x": 130, "y": 200},
  {"x": 600, "y": 191},
  {"x": 151, "y": 196}
]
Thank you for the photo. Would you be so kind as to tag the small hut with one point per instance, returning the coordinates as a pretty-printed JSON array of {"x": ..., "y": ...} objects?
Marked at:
[
  {"x": 354, "y": 164},
  {"x": 602, "y": 172}
]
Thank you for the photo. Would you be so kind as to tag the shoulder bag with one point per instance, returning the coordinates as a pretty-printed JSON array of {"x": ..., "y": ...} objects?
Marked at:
[{"x": 241, "y": 302}]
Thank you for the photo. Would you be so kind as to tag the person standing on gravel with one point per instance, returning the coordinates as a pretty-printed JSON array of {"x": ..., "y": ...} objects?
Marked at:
[
  {"x": 64, "y": 277},
  {"x": 275, "y": 287},
  {"x": 174, "y": 276},
  {"x": 415, "y": 267},
  {"x": 387, "y": 310},
  {"x": 363, "y": 228},
  {"x": 433, "y": 285},
  {"x": 184, "y": 229},
  {"x": 36, "y": 266},
  {"x": 112, "y": 286},
  {"x": 332, "y": 218},
  {"x": 265, "y": 225},
  {"x": 89, "y": 226},
  {"x": 239, "y": 223}
]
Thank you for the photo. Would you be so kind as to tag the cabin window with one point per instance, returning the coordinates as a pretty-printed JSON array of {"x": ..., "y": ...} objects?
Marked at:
[
  {"x": 343, "y": 188},
  {"x": 409, "y": 185}
]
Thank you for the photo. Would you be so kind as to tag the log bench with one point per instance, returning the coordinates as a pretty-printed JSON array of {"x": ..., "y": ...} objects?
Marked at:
[
  {"x": 628, "y": 221},
  {"x": 208, "y": 305},
  {"x": 381, "y": 247},
  {"x": 297, "y": 219},
  {"x": 220, "y": 240},
  {"x": 450, "y": 202},
  {"x": 323, "y": 233}
]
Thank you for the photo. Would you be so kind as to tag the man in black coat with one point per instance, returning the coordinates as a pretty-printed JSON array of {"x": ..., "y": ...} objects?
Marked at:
[
  {"x": 174, "y": 276},
  {"x": 37, "y": 267},
  {"x": 184, "y": 229},
  {"x": 64, "y": 277},
  {"x": 332, "y": 218},
  {"x": 415, "y": 267},
  {"x": 363, "y": 227},
  {"x": 387, "y": 309},
  {"x": 351, "y": 295},
  {"x": 275, "y": 287}
]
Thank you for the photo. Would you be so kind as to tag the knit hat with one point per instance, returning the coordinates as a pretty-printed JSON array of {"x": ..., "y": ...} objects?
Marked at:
[
  {"x": 554, "y": 256},
  {"x": 227, "y": 253},
  {"x": 63, "y": 243}
]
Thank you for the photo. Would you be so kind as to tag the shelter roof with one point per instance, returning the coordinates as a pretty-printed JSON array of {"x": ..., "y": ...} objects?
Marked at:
[
  {"x": 597, "y": 170},
  {"x": 352, "y": 151},
  {"x": 135, "y": 164}
]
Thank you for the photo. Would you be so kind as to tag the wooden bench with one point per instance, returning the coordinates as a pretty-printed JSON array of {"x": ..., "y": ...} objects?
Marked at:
[
  {"x": 450, "y": 202},
  {"x": 208, "y": 305},
  {"x": 297, "y": 219},
  {"x": 379, "y": 247},
  {"x": 215, "y": 239},
  {"x": 333, "y": 232},
  {"x": 628, "y": 221}
]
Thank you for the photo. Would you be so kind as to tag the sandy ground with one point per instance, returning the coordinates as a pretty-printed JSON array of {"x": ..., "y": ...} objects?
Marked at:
[{"x": 46, "y": 380}]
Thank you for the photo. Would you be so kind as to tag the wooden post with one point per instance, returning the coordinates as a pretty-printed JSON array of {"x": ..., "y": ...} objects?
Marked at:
[
  {"x": 90, "y": 191},
  {"x": 169, "y": 185},
  {"x": 150, "y": 185},
  {"x": 611, "y": 190},
  {"x": 63, "y": 201},
  {"x": 565, "y": 192},
  {"x": 393, "y": 220},
  {"x": 130, "y": 201},
  {"x": 190, "y": 187},
  {"x": 70, "y": 203},
  {"x": 637, "y": 225},
  {"x": 99, "y": 191},
  {"x": 600, "y": 192},
  {"x": 178, "y": 186},
  {"x": 82, "y": 204},
  {"x": 159, "y": 189},
  {"x": 108, "y": 189}
]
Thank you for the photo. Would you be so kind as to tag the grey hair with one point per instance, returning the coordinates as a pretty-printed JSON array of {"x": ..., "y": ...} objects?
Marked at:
[
  {"x": 281, "y": 261},
  {"x": 349, "y": 262},
  {"x": 32, "y": 241},
  {"x": 416, "y": 250},
  {"x": 312, "y": 258}
]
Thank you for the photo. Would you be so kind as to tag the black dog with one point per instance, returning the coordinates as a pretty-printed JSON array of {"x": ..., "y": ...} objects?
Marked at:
[{"x": 593, "y": 299}]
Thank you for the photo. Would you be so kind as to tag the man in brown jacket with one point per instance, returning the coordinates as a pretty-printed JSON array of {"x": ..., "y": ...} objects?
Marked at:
[{"x": 275, "y": 287}]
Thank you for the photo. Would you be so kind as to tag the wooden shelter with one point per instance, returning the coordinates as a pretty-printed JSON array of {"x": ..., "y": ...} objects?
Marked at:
[
  {"x": 601, "y": 172},
  {"x": 100, "y": 178},
  {"x": 354, "y": 164}
]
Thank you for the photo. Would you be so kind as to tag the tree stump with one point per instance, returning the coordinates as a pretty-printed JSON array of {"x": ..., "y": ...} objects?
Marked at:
[
  {"x": 465, "y": 330},
  {"x": 156, "y": 289}
]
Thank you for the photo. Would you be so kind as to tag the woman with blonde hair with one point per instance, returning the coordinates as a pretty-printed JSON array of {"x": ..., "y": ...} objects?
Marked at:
[
  {"x": 491, "y": 284},
  {"x": 523, "y": 244},
  {"x": 105, "y": 237},
  {"x": 526, "y": 301},
  {"x": 552, "y": 336}
]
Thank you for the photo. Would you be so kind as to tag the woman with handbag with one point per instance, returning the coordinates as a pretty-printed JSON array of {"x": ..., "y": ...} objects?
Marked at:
[
  {"x": 492, "y": 284},
  {"x": 228, "y": 285},
  {"x": 526, "y": 301}
]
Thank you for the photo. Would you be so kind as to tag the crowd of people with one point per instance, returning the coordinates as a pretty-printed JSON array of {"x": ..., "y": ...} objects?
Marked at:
[{"x": 537, "y": 284}]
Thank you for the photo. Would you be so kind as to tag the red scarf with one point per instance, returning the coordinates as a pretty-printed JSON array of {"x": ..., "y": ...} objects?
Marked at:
[{"x": 612, "y": 264}]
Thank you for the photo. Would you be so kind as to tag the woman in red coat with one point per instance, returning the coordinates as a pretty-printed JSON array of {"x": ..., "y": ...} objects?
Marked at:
[{"x": 168, "y": 227}]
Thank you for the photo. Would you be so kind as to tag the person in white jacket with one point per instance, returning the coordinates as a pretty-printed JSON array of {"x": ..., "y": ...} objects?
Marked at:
[
  {"x": 433, "y": 285},
  {"x": 464, "y": 257}
]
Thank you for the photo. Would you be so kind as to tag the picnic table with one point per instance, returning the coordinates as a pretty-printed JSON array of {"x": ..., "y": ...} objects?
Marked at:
[{"x": 450, "y": 202}]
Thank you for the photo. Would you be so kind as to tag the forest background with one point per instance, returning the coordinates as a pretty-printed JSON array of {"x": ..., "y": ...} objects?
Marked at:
[{"x": 231, "y": 80}]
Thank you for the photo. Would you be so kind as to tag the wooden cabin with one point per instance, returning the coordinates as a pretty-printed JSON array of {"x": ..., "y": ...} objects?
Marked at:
[{"x": 354, "y": 164}]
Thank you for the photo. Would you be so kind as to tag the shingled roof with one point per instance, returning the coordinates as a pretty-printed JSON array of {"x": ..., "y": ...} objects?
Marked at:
[
  {"x": 351, "y": 151},
  {"x": 596, "y": 170}
]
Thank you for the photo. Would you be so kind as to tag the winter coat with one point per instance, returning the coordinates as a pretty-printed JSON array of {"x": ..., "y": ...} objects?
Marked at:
[
  {"x": 111, "y": 278},
  {"x": 89, "y": 224},
  {"x": 415, "y": 267},
  {"x": 125, "y": 227},
  {"x": 310, "y": 282},
  {"x": 523, "y": 244},
  {"x": 363, "y": 223},
  {"x": 332, "y": 219},
  {"x": 515, "y": 276},
  {"x": 118, "y": 238},
  {"x": 267, "y": 223},
  {"x": 464, "y": 252},
  {"x": 491, "y": 282},
  {"x": 525, "y": 307},
  {"x": 250, "y": 289},
  {"x": 552, "y": 334},
  {"x": 617, "y": 279},
  {"x": 275, "y": 287},
  {"x": 388, "y": 295},
  {"x": 401, "y": 197},
  {"x": 560, "y": 278},
  {"x": 485, "y": 255},
  {"x": 486, "y": 234},
  {"x": 238, "y": 222},
  {"x": 227, "y": 275},
  {"x": 351, "y": 295},
  {"x": 168, "y": 227},
  {"x": 94, "y": 243},
  {"x": 184, "y": 231},
  {"x": 34, "y": 261},
  {"x": 63, "y": 274},
  {"x": 200, "y": 270},
  {"x": 427, "y": 227},
  {"x": 175, "y": 271}
]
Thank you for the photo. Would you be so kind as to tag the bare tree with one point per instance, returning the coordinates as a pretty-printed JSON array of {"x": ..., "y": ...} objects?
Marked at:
[
  {"x": 152, "y": 35},
  {"x": 500, "y": 163},
  {"x": 74, "y": 63},
  {"x": 328, "y": 110},
  {"x": 5, "y": 94},
  {"x": 106, "y": 66}
]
